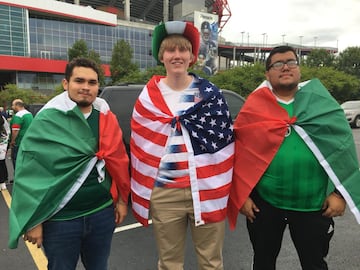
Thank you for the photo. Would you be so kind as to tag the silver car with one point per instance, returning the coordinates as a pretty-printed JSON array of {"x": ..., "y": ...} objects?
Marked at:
[{"x": 352, "y": 112}]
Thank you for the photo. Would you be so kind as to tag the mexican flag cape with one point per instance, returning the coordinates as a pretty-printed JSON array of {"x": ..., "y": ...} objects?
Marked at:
[
  {"x": 56, "y": 155},
  {"x": 260, "y": 129}
]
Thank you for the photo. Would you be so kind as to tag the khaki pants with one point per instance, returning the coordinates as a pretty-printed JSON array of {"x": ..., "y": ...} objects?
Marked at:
[{"x": 172, "y": 211}]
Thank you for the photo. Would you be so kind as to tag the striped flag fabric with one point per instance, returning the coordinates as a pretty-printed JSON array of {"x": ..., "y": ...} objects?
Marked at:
[
  {"x": 319, "y": 120},
  {"x": 209, "y": 144},
  {"x": 56, "y": 155}
]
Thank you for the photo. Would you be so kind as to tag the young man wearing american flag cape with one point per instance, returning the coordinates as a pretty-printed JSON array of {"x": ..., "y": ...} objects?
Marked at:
[
  {"x": 295, "y": 165},
  {"x": 181, "y": 153}
]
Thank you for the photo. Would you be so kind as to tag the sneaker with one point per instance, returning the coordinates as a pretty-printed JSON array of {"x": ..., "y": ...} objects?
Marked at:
[{"x": 2, "y": 186}]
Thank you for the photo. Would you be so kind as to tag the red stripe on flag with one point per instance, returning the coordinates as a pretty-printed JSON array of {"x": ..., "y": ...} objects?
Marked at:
[{"x": 215, "y": 169}]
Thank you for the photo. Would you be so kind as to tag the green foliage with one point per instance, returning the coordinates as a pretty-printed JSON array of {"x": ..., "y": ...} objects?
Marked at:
[
  {"x": 80, "y": 49},
  {"x": 342, "y": 86},
  {"x": 142, "y": 77},
  {"x": 242, "y": 80},
  {"x": 157, "y": 70},
  {"x": 96, "y": 58},
  {"x": 58, "y": 90},
  {"x": 11, "y": 92},
  {"x": 320, "y": 58},
  {"x": 121, "y": 64},
  {"x": 349, "y": 61},
  {"x": 340, "y": 75}
]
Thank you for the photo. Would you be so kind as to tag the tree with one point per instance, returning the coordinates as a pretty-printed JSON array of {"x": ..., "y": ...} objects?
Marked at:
[
  {"x": 121, "y": 64},
  {"x": 341, "y": 86},
  {"x": 29, "y": 96},
  {"x": 320, "y": 58},
  {"x": 349, "y": 61},
  {"x": 96, "y": 58},
  {"x": 242, "y": 80},
  {"x": 80, "y": 49}
]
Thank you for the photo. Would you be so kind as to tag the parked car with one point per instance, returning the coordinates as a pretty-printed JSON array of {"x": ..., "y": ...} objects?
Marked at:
[
  {"x": 34, "y": 108},
  {"x": 122, "y": 98},
  {"x": 352, "y": 112}
]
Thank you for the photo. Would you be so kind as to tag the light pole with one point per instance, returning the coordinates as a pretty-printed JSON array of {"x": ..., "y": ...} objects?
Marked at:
[
  {"x": 315, "y": 39},
  {"x": 248, "y": 37},
  {"x": 242, "y": 38},
  {"x": 300, "y": 37},
  {"x": 283, "y": 38},
  {"x": 264, "y": 39}
]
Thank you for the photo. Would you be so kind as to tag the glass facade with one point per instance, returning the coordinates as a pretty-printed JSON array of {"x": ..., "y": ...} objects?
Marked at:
[
  {"x": 42, "y": 82},
  {"x": 23, "y": 33},
  {"x": 13, "y": 31},
  {"x": 51, "y": 39}
]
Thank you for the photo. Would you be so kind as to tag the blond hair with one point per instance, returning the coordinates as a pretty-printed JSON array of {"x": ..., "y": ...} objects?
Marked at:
[{"x": 174, "y": 41}]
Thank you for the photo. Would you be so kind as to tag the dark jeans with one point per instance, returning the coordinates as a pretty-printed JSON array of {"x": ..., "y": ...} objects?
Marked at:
[
  {"x": 3, "y": 171},
  {"x": 14, "y": 152},
  {"x": 89, "y": 237},
  {"x": 310, "y": 232}
]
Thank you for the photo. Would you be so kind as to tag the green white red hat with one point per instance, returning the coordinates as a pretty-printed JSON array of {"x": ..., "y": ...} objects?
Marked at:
[{"x": 186, "y": 29}]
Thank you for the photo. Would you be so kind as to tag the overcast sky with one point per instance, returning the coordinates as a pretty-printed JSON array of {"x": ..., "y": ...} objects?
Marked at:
[{"x": 320, "y": 22}]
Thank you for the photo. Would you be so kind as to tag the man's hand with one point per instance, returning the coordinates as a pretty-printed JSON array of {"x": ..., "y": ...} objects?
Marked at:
[
  {"x": 334, "y": 206},
  {"x": 248, "y": 209},
  {"x": 35, "y": 235},
  {"x": 121, "y": 210}
]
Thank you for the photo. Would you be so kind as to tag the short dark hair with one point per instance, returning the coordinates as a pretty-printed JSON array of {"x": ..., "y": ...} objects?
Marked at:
[
  {"x": 279, "y": 49},
  {"x": 80, "y": 62}
]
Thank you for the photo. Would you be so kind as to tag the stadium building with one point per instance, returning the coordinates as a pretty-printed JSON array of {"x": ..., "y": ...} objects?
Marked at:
[{"x": 36, "y": 34}]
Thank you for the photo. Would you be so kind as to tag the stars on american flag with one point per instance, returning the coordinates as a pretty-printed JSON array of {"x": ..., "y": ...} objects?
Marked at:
[{"x": 210, "y": 126}]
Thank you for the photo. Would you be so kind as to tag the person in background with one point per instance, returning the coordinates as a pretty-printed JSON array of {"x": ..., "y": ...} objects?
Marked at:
[
  {"x": 181, "y": 153},
  {"x": 72, "y": 177},
  {"x": 19, "y": 124},
  {"x": 4, "y": 139},
  {"x": 296, "y": 165},
  {"x": 208, "y": 49},
  {"x": 3, "y": 113}
]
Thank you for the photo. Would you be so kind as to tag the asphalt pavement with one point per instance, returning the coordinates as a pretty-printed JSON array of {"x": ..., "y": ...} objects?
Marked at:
[{"x": 133, "y": 246}]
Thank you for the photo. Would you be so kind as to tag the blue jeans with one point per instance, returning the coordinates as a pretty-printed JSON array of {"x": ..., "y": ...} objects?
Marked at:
[{"x": 89, "y": 237}]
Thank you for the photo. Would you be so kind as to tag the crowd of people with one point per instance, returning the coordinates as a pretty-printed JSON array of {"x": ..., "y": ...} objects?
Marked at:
[
  {"x": 279, "y": 164},
  {"x": 13, "y": 129}
]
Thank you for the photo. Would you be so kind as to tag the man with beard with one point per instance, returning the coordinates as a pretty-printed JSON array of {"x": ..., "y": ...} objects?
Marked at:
[
  {"x": 71, "y": 182},
  {"x": 295, "y": 165}
]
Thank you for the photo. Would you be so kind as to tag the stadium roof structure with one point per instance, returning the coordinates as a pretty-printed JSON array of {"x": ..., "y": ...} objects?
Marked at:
[{"x": 151, "y": 11}]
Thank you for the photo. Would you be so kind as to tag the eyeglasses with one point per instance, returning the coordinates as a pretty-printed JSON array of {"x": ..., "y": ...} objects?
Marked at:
[{"x": 280, "y": 64}]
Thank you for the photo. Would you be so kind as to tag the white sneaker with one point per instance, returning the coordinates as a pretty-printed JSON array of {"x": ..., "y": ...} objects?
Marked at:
[{"x": 2, "y": 186}]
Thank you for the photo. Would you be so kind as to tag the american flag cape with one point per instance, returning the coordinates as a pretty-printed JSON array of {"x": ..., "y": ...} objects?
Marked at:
[
  {"x": 56, "y": 155},
  {"x": 210, "y": 146},
  {"x": 319, "y": 120}
]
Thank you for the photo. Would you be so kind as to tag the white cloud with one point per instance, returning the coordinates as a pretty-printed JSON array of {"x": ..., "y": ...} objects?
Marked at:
[{"x": 322, "y": 22}]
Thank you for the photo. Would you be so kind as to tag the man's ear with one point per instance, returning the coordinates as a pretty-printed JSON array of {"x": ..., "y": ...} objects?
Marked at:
[
  {"x": 266, "y": 75},
  {"x": 65, "y": 84}
]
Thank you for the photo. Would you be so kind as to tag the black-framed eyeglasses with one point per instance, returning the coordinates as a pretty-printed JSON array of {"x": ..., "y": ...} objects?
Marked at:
[{"x": 280, "y": 64}]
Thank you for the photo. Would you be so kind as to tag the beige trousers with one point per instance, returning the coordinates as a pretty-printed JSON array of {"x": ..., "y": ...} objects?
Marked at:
[{"x": 172, "y": 211}]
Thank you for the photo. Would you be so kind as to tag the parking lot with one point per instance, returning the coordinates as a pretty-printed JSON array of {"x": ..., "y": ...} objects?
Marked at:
[{"x": 134, "y": 247}]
